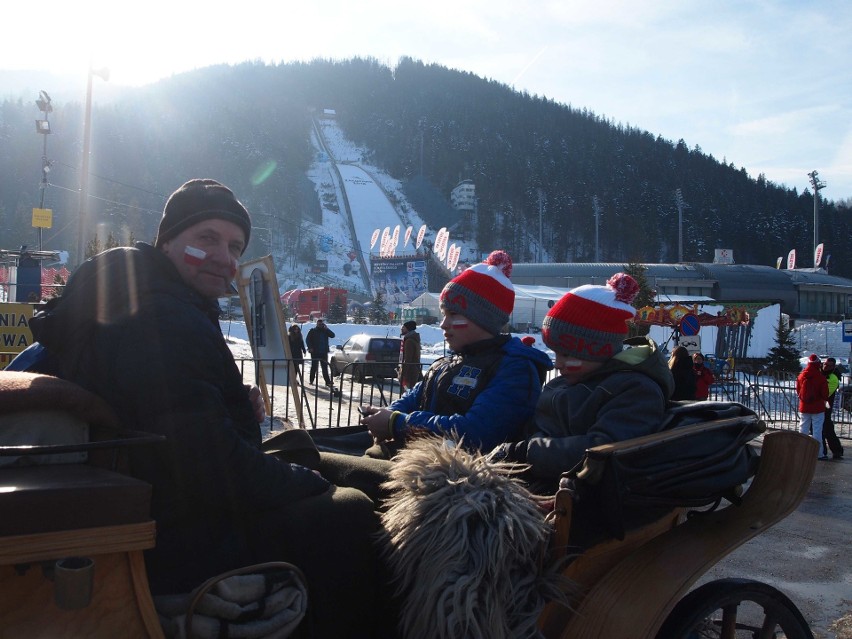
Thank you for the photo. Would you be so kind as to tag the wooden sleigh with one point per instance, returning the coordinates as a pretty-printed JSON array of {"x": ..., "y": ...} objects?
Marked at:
[{"x": 635, "y": 588}]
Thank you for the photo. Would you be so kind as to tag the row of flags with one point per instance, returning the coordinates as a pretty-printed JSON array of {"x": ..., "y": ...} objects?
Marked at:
[
  {"x": 443, "y": 250},
  {"x": 791, "y": 258}
]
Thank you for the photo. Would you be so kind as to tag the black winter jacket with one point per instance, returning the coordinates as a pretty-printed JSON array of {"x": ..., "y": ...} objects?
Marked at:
[{"x": 129, "y": 329}]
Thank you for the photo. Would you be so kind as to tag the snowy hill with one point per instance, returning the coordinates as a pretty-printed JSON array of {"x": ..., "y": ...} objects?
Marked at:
[{"x": 345, "y": 182}]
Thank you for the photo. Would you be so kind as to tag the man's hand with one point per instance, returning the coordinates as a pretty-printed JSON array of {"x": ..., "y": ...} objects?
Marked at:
[
  {"x": 377, "y": 421},
  {"x": 257, "y": 403}
]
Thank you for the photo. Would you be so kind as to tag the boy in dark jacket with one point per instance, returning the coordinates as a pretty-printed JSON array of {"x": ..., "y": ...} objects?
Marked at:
[
  {"x": 603, "y": 394},
  {"x": 139, "y": 327}
]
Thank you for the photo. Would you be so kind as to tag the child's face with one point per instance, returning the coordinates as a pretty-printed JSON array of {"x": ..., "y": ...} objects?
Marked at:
[{"x": 573, "y": 369}]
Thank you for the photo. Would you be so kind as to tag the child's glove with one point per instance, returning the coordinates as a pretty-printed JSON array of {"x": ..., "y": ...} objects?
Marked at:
[{"x": 515, "y": 452}]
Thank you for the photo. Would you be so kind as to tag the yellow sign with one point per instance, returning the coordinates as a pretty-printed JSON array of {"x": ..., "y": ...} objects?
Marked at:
[
  {"x": 15, "y": 333},
  {"x": 43, "y": 218}
]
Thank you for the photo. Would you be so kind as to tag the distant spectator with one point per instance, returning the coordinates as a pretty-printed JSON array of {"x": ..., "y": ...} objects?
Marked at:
[
  {"x": 297, "y": 347},
  {"x": 704, "y": 377},
  {"x": 680, "y": 364},
  {"x": 409, "y": 368},
  {"x": 318, "y": 346},
  {"x": 829, "y": 437},
  {"x": 812, "y": 389}
]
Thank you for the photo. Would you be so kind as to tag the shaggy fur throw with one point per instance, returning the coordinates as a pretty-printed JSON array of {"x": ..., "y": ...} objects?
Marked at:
[{"x": 466, "y": 544}]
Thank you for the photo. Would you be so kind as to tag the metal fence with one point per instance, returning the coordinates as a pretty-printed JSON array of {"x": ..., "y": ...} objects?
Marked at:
[{"x": 772, "y": 397}]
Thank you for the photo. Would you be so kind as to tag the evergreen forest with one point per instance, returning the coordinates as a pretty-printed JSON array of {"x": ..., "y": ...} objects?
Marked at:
[{"x": 531, "y": 159}]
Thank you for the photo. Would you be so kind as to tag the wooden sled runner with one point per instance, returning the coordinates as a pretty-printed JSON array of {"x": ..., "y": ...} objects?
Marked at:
[{"x": 86, "y": 508}]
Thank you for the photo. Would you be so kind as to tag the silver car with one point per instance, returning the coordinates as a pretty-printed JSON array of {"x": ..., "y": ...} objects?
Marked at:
[{"x": 364, "y": 355}]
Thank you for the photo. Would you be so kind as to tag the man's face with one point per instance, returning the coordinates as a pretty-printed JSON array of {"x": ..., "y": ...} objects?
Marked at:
[
  {"x": 206, "y": 255},
  {"x": 459, "y": 331},
  {"x": 828, "y": 365},
  {"x": 573, "y": 369}
]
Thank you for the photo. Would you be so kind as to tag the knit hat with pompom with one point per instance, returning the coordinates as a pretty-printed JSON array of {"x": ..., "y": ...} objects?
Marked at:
[
  {"x": 590, "y": 321},
  {"x": 483, "y": 293}
]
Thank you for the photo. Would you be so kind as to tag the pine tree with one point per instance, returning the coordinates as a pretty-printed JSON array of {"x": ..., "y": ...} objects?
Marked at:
[
  {"x": 93, "y": 247},
  {"x": 645, "y": 297},
  {"x": 784, "y": 357},
  {"x": 358, "y": 315},
  {"x": 378, "y": 312},
  {"x": 336, "y": 312}
]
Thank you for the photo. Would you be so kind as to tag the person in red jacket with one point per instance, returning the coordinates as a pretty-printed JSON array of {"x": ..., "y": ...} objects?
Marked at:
[
  {"x": 703, "y": 377},
  {"x": 812, "y": 389}
]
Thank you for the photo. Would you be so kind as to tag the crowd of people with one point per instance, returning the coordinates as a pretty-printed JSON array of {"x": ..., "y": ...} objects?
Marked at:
[{"x": 139, "y": 327}]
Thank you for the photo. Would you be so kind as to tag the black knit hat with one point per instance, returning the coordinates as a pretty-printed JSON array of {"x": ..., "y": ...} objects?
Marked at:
[
  {"x": 199, "y": 200},
  {"x": 410, "y": 325}
]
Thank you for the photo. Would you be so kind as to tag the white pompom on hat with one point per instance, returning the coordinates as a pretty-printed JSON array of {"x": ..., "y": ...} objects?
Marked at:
[
  {"x": 590, "y": 321},
  {"x": 483, "y": 293}
]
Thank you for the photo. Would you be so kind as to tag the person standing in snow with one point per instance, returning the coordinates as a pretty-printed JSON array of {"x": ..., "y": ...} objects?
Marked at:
[
  {"x": 704, "y": 377},
  {"x": 140, "y": 327},
  {"x": 409, "y": 366},
  {"x": 487, "y": 388},
  {"x": 683, "y": 371},
  {"x": 812, "y": 389},
  {"x": 318, "y": 346},
  {"x": 297, "y": 348},
  {"x": 829, "y": 437}
]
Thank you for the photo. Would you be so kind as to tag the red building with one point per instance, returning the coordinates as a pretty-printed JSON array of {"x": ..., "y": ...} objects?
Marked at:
[{"x": 311, "y": 303}]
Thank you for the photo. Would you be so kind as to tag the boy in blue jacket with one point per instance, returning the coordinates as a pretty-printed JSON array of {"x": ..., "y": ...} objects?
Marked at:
[{"x": 488, "y": 386}]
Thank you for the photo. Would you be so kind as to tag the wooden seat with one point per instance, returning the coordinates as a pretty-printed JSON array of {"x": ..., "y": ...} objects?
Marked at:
[
  {"x": 53, "y": 511},
  {"x": 632, "y": 585}
]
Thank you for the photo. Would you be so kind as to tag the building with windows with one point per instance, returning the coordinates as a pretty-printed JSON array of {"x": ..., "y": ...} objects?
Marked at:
[
  {"x": 806, "y": 295},
  {"x": 463, "y": 199}
]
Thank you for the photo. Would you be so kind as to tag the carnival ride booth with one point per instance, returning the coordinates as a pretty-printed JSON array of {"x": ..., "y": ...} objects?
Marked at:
[{"x": 685, "y": 323}]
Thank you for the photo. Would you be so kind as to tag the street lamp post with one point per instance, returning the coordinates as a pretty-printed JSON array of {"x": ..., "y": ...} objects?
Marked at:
[
  {"x": 43, "y": 127},
  {"x": 817, "y": 185},
  {"x": 84, "y": 171}
]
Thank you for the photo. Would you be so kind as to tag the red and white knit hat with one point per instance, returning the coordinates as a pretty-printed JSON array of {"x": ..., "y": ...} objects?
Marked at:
[
  {"x": 590, "y": 322},
  {"x": 483, "y": 293}
]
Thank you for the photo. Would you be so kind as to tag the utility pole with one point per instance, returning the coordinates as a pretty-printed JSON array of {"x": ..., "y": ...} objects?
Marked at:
[
  {"x": 817, "y": 185},
  {"x": 680, "y": 205},
  {"x": 597, "y": 208},
  {"x": 84, "y": 171},
  {"x": 540, "y": 217}
]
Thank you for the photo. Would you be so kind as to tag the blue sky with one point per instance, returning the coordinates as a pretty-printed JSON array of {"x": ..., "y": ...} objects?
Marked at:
[{"x": 764, "y": 85}]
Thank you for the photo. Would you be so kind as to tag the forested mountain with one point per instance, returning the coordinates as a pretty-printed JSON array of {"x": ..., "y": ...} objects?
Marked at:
[{"x": 249, "y": 126}]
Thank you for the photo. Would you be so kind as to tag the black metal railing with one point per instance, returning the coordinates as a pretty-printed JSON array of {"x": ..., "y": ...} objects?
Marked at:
[{"x": 772, "y": 396}]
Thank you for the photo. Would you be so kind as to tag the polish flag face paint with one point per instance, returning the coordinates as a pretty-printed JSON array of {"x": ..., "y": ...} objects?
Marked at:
[
  {"x": 193, "y": 256},
  {"x": 459, "y": 323}
]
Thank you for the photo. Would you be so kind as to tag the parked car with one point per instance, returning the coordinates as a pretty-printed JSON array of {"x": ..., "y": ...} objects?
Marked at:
[{"x": 364, "y": 355}]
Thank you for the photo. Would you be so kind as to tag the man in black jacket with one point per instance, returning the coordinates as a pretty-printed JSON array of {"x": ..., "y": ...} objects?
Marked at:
[
  {"x": 318, "y": 347},
  {"x": 139, "y": 327}
]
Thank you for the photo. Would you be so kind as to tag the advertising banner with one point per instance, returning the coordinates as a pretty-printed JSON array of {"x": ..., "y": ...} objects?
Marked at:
[{"x": 399, "y": 279}]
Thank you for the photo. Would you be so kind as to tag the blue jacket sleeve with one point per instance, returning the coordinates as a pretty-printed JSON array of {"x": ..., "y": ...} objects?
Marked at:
[{"x": 498, "y": 413}]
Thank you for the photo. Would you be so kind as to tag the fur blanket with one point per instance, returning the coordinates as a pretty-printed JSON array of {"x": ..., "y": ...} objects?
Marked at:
[{"x": 466, "y": 545}]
